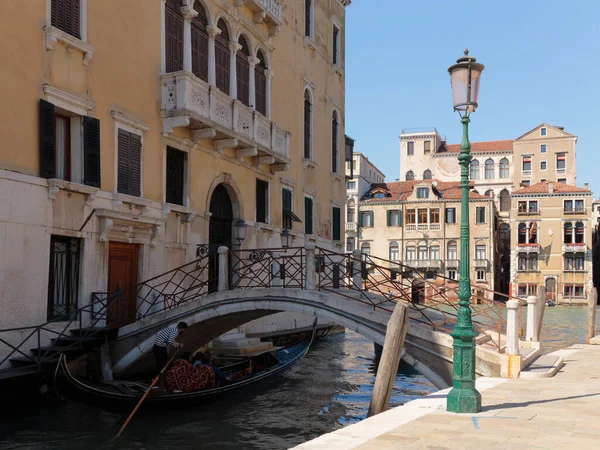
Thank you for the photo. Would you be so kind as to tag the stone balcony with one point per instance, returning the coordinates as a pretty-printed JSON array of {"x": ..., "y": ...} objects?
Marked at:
[
  {"x": 351, "y": 226},
  {"x": 575, "y": 211},
  {"x": 452, "y": 263},
  {"x": 528, "y": 248},
  {"x": 574, "y": 248},
  {"x": 480, "y": 263},
  {"x": 192, "y": 103},
  {"x": 267, "y": 11},
  {"x": 529, "y": 212}
]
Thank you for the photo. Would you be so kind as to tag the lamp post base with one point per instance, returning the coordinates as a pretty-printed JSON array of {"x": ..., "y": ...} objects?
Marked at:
[{"x": 463, "y": 398}]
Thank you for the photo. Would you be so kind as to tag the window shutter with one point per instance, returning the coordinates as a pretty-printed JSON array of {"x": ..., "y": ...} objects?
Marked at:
[
  {"x": 389, "y": 218},
  {"x": 260, "y": 84},
  {"x": 307, "y": 7},
  {"x": 261, "y": 207},
  {"x": 135, "y": 157},
  {"x": 200, "y": 43},
  {"x": 91, "y": 151},
  {"x": 307, "y": 130},
  {"x": 287, "y": 199},
  {"x": 334, "y": 143},
  {"x": 47, "y": 153},
  {"x": 174, "y": 36},
  {"x": 336, "y": 224},
  {"x": 222, "y": 58},
  {"x": 175, "y": 176},
  {"x": 66, "y": 16},
  {"x": 335, "y": 45},
  {"x": 308, "y": 215},
  {"x": 123, "y": 162}
]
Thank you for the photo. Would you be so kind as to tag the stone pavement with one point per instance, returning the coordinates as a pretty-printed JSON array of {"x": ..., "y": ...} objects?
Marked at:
[{"x": 562, "y": 412}]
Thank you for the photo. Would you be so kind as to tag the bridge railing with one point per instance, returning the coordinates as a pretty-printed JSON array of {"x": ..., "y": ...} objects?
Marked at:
[
  {"x": 432, "y": 298},
  {"x": 266, "y": 268}
]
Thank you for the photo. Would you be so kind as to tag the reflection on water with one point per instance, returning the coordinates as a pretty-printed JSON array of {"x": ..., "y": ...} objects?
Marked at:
[{"x": 330, "y": 388}]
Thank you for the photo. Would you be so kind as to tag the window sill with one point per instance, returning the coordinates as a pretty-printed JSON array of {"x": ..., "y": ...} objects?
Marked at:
[
  {"x": 55, "y": 184},
  {"x": 336, "y": 177},
  {"x": 308, "y": 42},
  {"x": 267, "y": 228},
  {"x": 308, "y": 163},
  {"x": 119, "y": 199},
  {"x": 190, "y": 213},
  {"x": 54, "y": 35}
]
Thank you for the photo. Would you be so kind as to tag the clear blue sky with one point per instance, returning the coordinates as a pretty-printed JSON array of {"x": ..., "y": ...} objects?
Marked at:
[{"x": 542, "y": 63}]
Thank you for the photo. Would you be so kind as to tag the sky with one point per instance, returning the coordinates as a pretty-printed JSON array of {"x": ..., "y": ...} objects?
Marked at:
[{"x": 542, "y": 64}]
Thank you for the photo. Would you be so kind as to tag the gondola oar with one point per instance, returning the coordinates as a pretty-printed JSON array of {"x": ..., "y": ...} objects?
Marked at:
[{"x": 146, "y": 394}]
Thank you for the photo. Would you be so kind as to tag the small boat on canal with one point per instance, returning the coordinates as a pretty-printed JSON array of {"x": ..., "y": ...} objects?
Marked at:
[{"x": 123, "y": 395}]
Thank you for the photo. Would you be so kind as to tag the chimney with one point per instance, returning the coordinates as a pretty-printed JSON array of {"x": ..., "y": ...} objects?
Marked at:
[
  {"x": 550, "y": 187},
  {"x": 586, "y": 185}
]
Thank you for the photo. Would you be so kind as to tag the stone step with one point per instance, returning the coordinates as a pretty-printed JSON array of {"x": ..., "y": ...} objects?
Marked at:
[
  {"x": 231, "y": 336},
  {"x": 545, "y": 366},
  {"x": 236, "y": 343}
]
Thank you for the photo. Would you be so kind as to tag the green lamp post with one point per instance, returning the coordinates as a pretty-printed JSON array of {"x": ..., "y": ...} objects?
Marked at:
[{"x": 464, "y": 398}]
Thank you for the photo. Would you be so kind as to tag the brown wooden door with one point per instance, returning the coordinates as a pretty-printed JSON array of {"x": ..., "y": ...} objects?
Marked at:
[{"x": 122, "y": 277}]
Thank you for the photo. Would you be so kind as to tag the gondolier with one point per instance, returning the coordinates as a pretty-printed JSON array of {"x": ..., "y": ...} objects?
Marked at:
[{"x": 165, "y": 339}]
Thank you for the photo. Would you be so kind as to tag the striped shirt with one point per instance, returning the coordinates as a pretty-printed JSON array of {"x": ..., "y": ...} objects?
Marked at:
[{"x": 167, "y": 337}]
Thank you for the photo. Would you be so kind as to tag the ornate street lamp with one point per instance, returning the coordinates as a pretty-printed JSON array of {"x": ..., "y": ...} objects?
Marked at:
[
  {"x": 285, "y": 238},
  {"x": 464, "y": 398},
  {"x": 240, "y": 231}
]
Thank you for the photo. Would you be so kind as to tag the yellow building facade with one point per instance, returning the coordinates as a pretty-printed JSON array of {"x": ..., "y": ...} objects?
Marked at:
[
  {"x": 137, "y": 132},
  {"x": 551, "y": 241}
]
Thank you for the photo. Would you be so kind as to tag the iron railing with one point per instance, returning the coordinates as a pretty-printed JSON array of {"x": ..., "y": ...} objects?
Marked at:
[{"x": 267, "y": 268}]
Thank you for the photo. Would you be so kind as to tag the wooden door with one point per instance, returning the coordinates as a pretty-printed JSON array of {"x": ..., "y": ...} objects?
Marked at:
[{"x": 122, "y": 279}]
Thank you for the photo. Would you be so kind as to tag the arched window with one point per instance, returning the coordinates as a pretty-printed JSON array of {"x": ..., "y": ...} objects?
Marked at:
[
  {"x": 427, "y": 175},
  {"x": 504, "y": 170},
  {"x": 504, "y": 200},
  {"x": 411, "y": 253},
  {"x": 173, "y": 36},
  {"x": 365, "y": 249},
  {"x": 222, "y": 57},
  {"x": 474, "y": 170},
  {"x": 200, "y": 43},
  {"x": 452, "y": 250},
  {"x": 522, "y": 233},
  {"x": 489, "y": 193},
  {"x": 410, "y": 175},
  {"x": 260, "y": 81},
  {"x": 568, "y": 233},
  {"x": 307, "y": 125},
  {"x": 394, "y": 254},
  {"x": 242, "y": 72},
  {"x": 579, "y": 233},
  {"x": 334, "y": 142},
  {"x": 489, "y": 169}
]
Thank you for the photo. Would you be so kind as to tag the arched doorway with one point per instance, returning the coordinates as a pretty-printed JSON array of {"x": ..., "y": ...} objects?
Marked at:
[
  {"x": 219, "y": 230},
  {"x": 551, "y": 289}
]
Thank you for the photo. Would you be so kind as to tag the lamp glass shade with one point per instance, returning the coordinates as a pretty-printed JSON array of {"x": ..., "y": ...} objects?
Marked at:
[
  {"x": 285, "y": 238},
  {"x": 465, "y": 76},
  {"x": 240, "y": 230}
]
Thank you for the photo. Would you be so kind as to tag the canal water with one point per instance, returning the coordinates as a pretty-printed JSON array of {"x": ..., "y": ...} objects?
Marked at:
[{"x": 329, "y": 389}]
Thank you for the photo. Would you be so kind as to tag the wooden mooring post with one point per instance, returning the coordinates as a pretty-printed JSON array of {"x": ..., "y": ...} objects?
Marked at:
[
  {"x": 591, "y": 315},
  {"x": 390, "y": 359}
]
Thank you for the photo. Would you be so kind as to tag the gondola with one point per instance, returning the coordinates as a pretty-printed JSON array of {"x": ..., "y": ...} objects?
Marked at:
[{"x": 123, "y": 396}]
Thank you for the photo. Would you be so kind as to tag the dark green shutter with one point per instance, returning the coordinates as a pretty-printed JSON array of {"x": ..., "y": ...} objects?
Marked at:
[
  {"x": 261, "y": 200},
  {"x": 47, "y": 153},
  {"x": 389, "y": 218},
  {"x": 336, "y": 224},
  {"x": 287, "y": 199},
  {"x": 308, "y": 215},
  {"x": 91, "y": 151}
]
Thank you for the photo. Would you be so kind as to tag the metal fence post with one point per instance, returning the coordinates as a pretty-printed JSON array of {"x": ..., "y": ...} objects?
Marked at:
[
  {"x": 357, "y": 269},
  {"x": 223, "y": 268},
  {"x": 512, "y": 327},
  {"x": 310, "y": 271}
]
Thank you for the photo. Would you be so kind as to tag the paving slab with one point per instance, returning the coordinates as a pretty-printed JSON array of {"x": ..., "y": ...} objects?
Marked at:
[{"x": 520, "y": 413}]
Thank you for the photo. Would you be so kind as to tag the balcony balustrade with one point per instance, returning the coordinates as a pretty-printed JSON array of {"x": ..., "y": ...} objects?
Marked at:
[
  {"x": 435, "y": 264},
  {"x": 529, "y": 213},
  {"x": 411, "y": 227},
  {"x": 528, "y": 248},
  {"x": 581, "y": 211},
  {"x": 481, "y": 263},
  {"x": 574, "y": 248},
  {"x": 188, "y": 101},
  {"x": 268, "y": 11},
  {"x": 452, "y": 263},
  {"x": 351, "y": 226}
]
